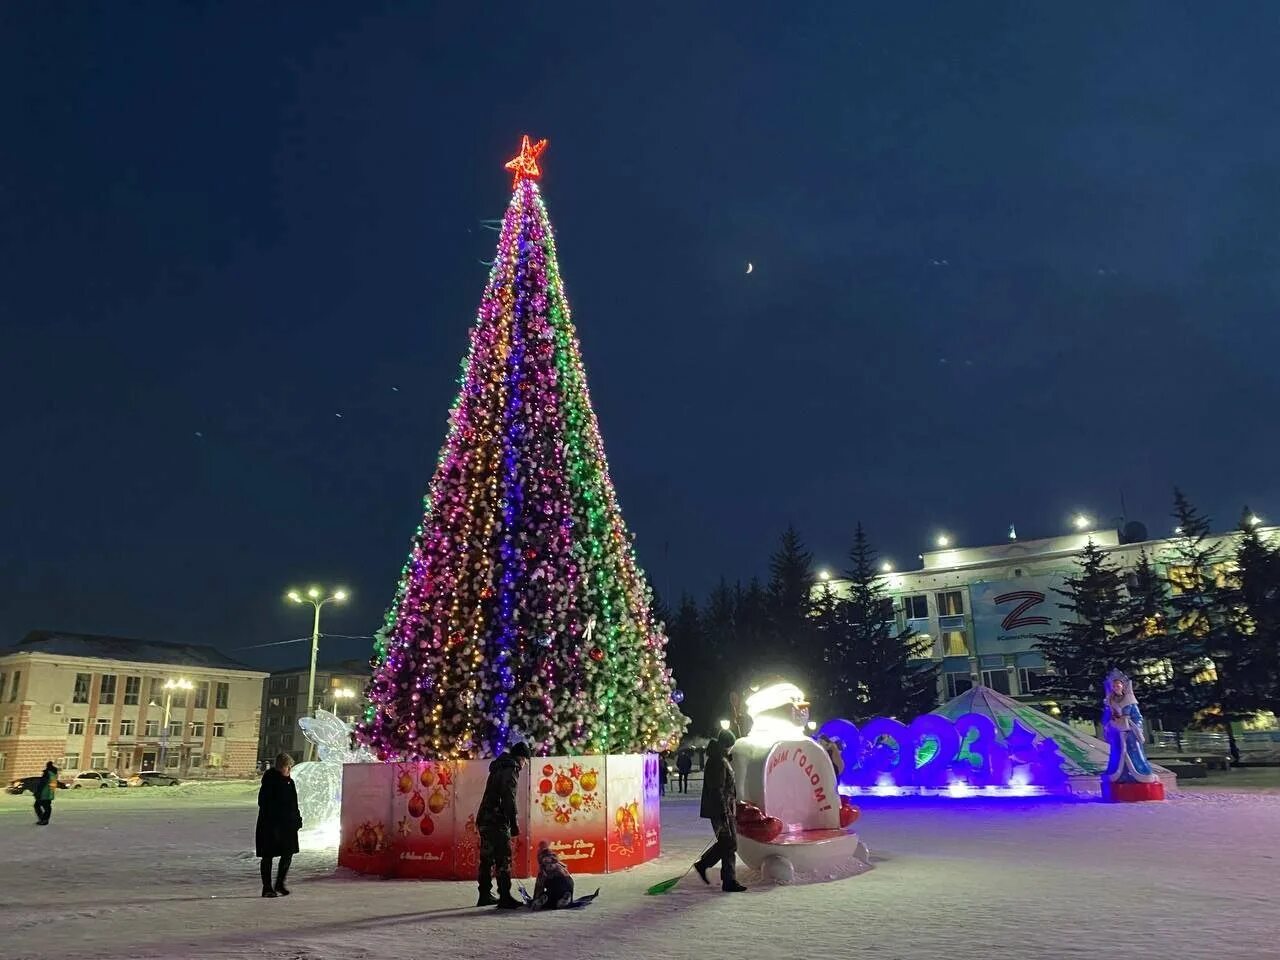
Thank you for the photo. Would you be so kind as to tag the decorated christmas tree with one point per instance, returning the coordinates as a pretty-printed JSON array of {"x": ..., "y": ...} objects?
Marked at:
[{"x": 521, "y": 612}]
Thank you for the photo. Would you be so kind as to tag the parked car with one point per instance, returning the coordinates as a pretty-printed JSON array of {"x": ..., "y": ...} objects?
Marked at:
[
  {"x": 95, "y": 780},
  {"x": 30, "y": 784},
  {"x": 153, "y": 778},
  {"x": 24, "y": 785}
]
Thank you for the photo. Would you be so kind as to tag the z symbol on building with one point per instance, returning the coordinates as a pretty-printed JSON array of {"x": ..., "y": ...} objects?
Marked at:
[{"x": 1015, "y": 618}]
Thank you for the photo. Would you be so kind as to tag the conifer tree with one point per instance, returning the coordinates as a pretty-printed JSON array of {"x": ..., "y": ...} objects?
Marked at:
[
  {"x": 874, "y": 669},
  {"x": 791, "y": 609},
  {"x": 1091, "y": 638},
  {"x": 694, "y": 662},
  {"x": 1200, "y": 622},
  {"x": 1257, "y": 602},
  {"x": 1146, "y": 629},
  {"x": 521, "y": 610}
]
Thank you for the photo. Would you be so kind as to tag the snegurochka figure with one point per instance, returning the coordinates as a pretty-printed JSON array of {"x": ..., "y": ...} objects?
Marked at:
[{"x": 1122, "y": 722}]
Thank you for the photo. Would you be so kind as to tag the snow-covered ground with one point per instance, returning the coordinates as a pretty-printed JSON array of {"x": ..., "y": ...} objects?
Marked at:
[{"x": 170, "y": 873}]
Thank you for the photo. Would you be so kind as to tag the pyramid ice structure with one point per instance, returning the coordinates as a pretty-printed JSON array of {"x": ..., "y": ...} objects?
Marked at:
[{"x": 1084, "y": 757}]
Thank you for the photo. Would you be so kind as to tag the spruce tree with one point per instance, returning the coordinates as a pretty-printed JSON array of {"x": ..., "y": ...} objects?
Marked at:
[
  {"x": 1146, "y": 629},
  {"x": 874, "y": 668},
  {"x": 694, "y": 662},
  {"x": 1242, "y": 650},
  {"x": 1257, "y": 604},
  {"x": 1201, "y": 623},
  {"x": 792, "y": 627},
  {"x": 521, "y": 611},
  {"x": 1091, "y": 638}
]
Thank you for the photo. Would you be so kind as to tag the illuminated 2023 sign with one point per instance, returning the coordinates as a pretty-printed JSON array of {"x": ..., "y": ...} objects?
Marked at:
[{"x": 935, "y": 752}]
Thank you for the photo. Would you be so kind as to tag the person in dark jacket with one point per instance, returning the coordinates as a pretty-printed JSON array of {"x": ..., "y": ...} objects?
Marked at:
[
  {"x": 554, "y": 887},
  {"x": 720, "y": 806},
  {"x": 684, "y": 763},
  {"x": 278, "y": 824},
  {"x": 44, "y": 794},
  {"x": 496, "y": 822},
  {"x": 664, "y": 772}
]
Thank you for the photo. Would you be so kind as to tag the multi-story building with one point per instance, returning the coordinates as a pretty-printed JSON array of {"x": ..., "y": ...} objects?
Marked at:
[
  {"x": 101, "y": 703},
  {"x": 982, "y": 607},
  {"x": 339, "y": 688}
]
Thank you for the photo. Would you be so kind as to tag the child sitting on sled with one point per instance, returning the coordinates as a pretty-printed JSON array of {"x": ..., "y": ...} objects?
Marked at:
[{"x": 554, "y": 887}]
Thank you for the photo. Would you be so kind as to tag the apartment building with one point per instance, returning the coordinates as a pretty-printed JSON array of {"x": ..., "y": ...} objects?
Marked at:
[
  {"x": 339, "y": 688},
  {"x": 982, "y": 607},
  {"x": 91, "y": 702}
]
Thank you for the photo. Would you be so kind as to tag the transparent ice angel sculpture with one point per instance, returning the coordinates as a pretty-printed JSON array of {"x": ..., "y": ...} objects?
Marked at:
[{"x": 319, "y": 782}]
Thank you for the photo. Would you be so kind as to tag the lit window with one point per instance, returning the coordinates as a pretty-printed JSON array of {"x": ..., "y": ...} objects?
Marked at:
[
  {"x": 152, "y": 728},
  {"x": 951, "y": 604},
  {"x": 1181, "y": 579},
  {"x": 223, "y": 695},
  {"x": 954, "y": 643},
  {"x": 132, "y": 691},
  {"x": 75, "y": 727},
  {"x": 102, "y": 727},
  {"x": 127, "y": 727},
  {"x": 107, "y": 689},
  {"x": 81, "y": 692}
]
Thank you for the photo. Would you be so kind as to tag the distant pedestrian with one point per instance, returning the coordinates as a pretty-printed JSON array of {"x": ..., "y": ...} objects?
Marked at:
[
  {"x": 720, "y": 806},
  {"x": 663, "y": 773},
  {"x": 497, "y": 823},
  {"x": 279, "y": 821},
  {"x": 44, "y": 794},
  {"x": 684, "y": 763}
]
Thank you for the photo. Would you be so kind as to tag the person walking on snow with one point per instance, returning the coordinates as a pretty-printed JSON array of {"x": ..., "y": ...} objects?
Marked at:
[
  {"x": 44, "y": 794},
  {"x": 279, "y": 821},
  {"x": 720, "y": 806},
  {"x": 684, "y": 763},
  {"x": 497, "y": 823}
]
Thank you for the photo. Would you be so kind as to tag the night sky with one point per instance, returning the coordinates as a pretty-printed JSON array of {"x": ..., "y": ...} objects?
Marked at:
[{"x": 1010, "y": 262}]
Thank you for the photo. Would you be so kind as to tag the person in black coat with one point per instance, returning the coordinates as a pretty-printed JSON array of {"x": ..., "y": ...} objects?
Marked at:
[
  {"x": 720, "y": 806},
  {"x": 279, "y": 821},
  {"x": 684, "y": 763},
  {"x": 497, "y": 823}
]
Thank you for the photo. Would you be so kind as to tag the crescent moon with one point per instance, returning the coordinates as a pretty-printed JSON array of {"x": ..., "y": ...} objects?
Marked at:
[{"x": 750, "y": 266}]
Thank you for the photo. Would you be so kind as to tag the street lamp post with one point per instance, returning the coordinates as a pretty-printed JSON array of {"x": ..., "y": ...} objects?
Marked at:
[
  {"x": 182, "y": 683},
  {"x": 316, "y": 597}
]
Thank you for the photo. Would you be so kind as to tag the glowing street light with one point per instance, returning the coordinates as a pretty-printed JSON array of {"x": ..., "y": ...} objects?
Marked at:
[
  {"x": 1081, "y": 522},
  {"x": 182, "y": 683},
  {"x": 724, "y": 724},
  {"x": 1254, "y": 520},
  {"x": 316, "y": 597},
  {"x": 823, "y": 575},
  {"x": 886, "y": 567},
  {"x": 943, "y": 541}
]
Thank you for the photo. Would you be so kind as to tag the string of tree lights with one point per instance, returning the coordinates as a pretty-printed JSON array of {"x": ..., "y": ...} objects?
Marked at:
[{"x": 521, "y": 612}]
